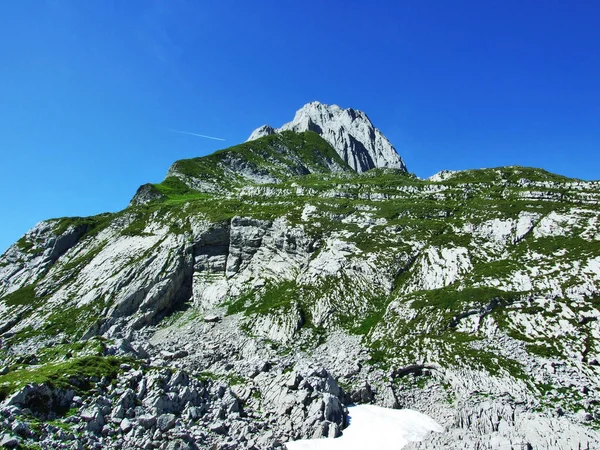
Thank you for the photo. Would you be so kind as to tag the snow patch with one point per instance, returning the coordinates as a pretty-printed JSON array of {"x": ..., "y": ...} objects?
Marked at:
[{"x": 377, "y": 428}]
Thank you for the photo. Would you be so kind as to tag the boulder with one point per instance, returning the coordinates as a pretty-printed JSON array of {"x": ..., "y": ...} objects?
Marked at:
[
  {"x": 334, "y": 410},
  {"x": 94, "y": 418},
  {"x": 166, "y": 421},
  {"x": 363, "y": 394},
  {"x": 146, "y": 421},
  {"x": 8, "y": 441},
  {"x": 211, "y": 318},
  {"x": 41, "y": 398},
  {"x": 20, "y": 428},
  {"x": 126, "y": 425}
]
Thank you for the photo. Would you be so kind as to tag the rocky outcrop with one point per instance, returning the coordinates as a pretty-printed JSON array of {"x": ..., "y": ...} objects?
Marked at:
[
  {"x": 145, "y": 194},
  {"x": 42, "y": 399},
  {"x": 350, "y": 132},
  {"x": 154, "y": 407},
  {"x": 34, "y": 254}
]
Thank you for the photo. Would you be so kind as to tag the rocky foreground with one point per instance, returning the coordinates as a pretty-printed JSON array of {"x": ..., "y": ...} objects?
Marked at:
[{"x": 166, "y": 401}]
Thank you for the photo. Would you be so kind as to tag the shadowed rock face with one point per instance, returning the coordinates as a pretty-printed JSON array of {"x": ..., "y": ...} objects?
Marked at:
[{"x": 350, "y": 132}]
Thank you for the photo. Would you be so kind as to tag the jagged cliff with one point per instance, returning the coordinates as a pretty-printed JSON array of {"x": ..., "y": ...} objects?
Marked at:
[
  {"x": 350, "y": 132},
  {"x": 249, "y": 297}
]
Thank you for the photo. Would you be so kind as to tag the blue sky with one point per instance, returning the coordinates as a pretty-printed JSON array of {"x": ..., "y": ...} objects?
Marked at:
[{"x": 90, "y": 90}]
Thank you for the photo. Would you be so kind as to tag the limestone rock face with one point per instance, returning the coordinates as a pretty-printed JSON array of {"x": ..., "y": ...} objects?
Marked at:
[
  {"x": 32, "y": 256},
  {"x": 350, "y": 132},
  {"x": 265, "y": 130}
]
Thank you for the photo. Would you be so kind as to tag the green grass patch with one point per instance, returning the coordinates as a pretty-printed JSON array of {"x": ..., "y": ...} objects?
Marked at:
[
  {"x": 454, "y": 300},
  {"x": 544, "y": 350},
  {"x": 25, "y": 245},
  {"x": 73, "y": 321},
  {"x": 92, "y": 347},
  {"x": 510, "y": 174},
  {"x": 72, "y": 374},
  {"x": 278, "y": 156},
  {"x": 24, "y": 296},
  {"x": 88, "y": 223},
  {"x": 272, "y": 297},
  {"x": 231, "y": 379}
]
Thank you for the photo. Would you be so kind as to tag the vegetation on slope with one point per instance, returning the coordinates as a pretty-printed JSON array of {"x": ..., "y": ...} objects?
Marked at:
[
  {"x": 275, "y": 157},
  {"x": 384, "y": 213},
  {"x": 75, "y": 374}
]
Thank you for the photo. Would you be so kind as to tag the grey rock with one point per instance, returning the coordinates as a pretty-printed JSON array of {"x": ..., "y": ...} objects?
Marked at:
[
  {"x": 145, "y": 194},
  {"x": 293, "y": 381},
  {"x": 146, "y": 421},
  {"x": 219, "y": 428},
  {"x": 178, "y": 444},
  {"x": 321, "y": 430},
  {"x": 94, "y": 418},
  {"x": 180, "y": 354},
  {"x": 180, "y": 378},
  {"x": 118, "y": 413},
  {"x": 166, "y": 421},
  {"x": 9, "y": 410},
  {"x": 127, "y": 400},
  {"x": 333, "y": 409},
  {"x": 350, "y": 132},
  {"x": 142, "y": 389},
  {"x": 364, "y": 394},
  {"x": 40, "y": 397},
  {"x": 166, "y": 355},
  {"x": 195, "y": 412},
  {"x": 21, "y": 428},
  {"x": 210, "y": 318},
  {"x": 126, "y": 425},
  {"x": 121, "y": 347},
  {"x": 8, "y": 441}
]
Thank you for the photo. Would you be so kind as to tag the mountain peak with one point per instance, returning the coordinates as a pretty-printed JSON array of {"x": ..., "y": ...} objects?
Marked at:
[{"x": 350, "y": 132}]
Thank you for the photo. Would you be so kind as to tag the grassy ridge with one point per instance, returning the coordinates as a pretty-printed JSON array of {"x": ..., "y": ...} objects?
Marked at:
[{"x": 277, "y": 156}]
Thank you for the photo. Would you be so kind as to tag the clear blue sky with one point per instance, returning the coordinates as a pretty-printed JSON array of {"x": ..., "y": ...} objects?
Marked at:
[{"x": 89, "y": 89}]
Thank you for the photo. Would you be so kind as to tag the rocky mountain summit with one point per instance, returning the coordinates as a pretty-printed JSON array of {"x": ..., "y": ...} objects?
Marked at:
[
  {"x": 350, "y": 132},
  {"x": 255, "y": 293}
]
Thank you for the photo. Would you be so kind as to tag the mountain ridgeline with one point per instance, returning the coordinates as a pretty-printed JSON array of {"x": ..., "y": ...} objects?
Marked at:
[
  {"x": 252, "y": 295},
  {"x": 350, "y": 132},
  {"x": 272, "y": 159}
]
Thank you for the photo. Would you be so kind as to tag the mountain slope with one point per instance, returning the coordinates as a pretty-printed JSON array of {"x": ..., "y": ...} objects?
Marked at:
[
  {"x": 350, "y": 132},
  {"x": 255, "y": 309},
  {"x": 270, "y": 159}
]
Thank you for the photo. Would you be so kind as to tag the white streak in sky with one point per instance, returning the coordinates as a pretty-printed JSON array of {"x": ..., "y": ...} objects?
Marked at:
[{"x": 195, "y": 134}]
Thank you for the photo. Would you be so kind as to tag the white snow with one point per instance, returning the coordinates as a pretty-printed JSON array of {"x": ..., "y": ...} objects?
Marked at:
[{"x": 377, "y": 428}]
